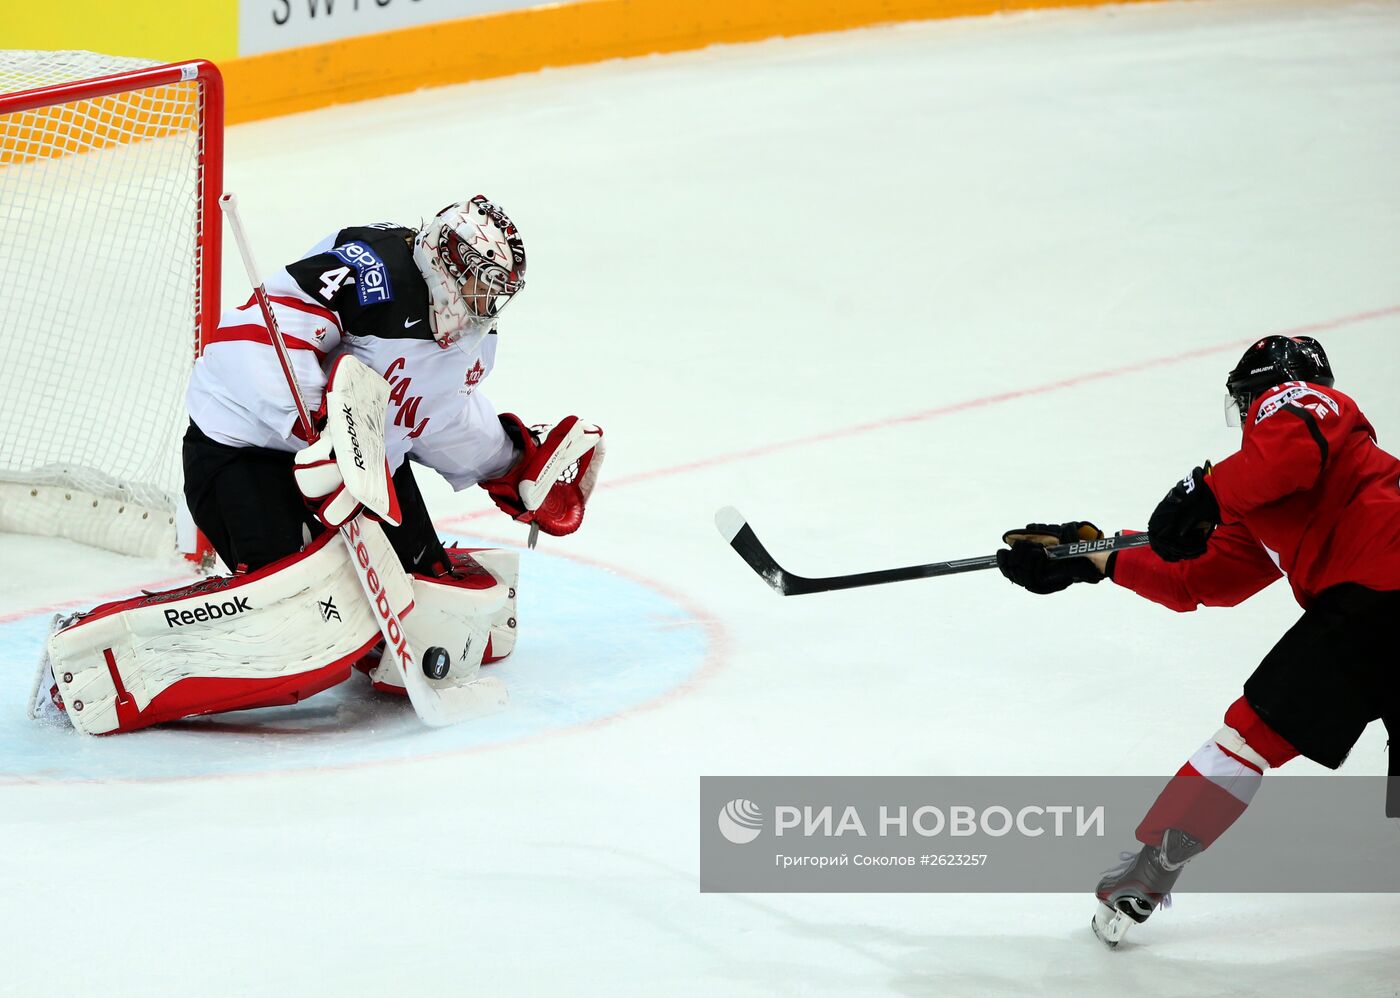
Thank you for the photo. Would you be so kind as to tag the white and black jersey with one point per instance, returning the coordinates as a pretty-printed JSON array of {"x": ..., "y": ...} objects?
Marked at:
[{"x": 357, "y": 292}]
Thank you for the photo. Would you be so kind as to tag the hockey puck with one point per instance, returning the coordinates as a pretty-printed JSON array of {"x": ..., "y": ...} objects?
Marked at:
[{"x": 436, "y": 662}]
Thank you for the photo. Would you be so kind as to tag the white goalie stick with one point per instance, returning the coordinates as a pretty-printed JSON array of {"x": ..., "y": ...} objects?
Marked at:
[
  {"x": 435, "y": 705},
  {"x": 736, "y": 530}
]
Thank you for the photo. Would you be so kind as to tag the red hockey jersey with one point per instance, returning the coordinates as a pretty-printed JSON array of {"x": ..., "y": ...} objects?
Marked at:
[{"x": 1308, "y": 495}]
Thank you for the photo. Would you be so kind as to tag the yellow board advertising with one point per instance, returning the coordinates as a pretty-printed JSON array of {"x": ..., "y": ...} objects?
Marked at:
[{"x": 168, "y": 30}]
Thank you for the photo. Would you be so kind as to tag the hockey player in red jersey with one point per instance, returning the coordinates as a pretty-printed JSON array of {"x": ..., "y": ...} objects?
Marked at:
[
  {"x": 1310, "y": 496},
  {"x": 389, "y": 331}
]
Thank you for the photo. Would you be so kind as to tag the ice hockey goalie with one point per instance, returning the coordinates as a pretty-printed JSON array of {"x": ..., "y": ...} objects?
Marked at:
[{"x": 391, "y": 331}]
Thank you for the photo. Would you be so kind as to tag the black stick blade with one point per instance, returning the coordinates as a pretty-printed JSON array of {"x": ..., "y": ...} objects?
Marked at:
[{"x": 740, "y": 536}]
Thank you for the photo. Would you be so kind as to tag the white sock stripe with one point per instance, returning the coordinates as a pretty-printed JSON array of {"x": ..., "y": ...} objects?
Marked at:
[
  {"x": 1230, "y": 739},
  {"x": 1229, "y": 774}
]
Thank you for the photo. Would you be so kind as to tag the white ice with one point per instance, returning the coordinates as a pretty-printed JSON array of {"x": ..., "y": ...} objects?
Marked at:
[{"x": 890, "y": 292}]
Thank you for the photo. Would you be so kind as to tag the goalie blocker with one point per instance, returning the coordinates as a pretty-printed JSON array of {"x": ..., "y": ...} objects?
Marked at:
[{"x": 269, "y": 638}]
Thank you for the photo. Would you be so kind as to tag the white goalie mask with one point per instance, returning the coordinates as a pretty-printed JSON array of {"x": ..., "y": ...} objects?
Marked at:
[{"x": 473, "y": 260}]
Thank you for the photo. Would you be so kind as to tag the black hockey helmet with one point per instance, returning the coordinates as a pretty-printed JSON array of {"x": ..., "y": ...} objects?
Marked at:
[{"x": 1272, "y": 361}]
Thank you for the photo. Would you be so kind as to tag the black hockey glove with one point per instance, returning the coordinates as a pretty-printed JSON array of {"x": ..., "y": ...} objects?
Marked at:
[
  {"x": 1025, "y": 563},
  {"x": 1182, "y": 523}
]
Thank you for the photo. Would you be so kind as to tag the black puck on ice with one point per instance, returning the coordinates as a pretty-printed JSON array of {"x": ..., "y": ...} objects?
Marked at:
[{"x": 436, "y": 662}]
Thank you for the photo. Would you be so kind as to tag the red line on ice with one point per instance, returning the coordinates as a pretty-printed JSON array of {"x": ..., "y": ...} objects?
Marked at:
[
  {"x": 87, "y": 602},
  {"x": 924, "y": 415},
  {"x": 717, "y": 647}
]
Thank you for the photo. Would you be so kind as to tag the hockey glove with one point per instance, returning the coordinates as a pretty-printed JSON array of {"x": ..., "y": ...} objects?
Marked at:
[
  {"x": 322, "y": 485},
  {"x": 345, "y": 470},
  {"x": 1183, "y": 521},
  {"x": 550, "y": 482},
  {"x": 1025, "y": 563}
]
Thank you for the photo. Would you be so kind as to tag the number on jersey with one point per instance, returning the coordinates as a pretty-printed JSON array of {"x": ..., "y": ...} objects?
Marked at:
[{"x": 333, "y": 280}]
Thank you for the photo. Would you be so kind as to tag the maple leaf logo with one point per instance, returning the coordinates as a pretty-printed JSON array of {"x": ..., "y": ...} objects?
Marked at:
[{"x": 474, "y": 376}]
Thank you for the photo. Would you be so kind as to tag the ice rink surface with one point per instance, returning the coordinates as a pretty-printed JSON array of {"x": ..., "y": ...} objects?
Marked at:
[{"x": 890, "y": 292}]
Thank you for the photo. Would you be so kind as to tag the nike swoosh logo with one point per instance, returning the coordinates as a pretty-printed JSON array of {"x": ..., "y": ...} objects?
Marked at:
[{"x": 408, "y": 323}]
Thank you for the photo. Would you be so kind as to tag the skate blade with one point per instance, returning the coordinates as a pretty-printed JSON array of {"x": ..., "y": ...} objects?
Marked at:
[
  {"x": 40, "y": 704},
  {"x": 1110, "y": 925}
]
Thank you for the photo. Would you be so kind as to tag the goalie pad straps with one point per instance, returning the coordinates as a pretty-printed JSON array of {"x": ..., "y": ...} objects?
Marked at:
[
  {"x": 470, "y": 612},
  {"x": 504, "y": 566},
  {"x": 273, "y": 637},
  {"x": 346, "y": 468}
]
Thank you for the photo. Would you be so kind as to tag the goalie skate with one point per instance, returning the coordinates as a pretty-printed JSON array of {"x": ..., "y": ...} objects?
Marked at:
[{"x": 44, "y": 701}]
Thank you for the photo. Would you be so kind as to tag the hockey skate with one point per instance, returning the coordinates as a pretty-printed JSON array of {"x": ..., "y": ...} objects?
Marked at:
[
  {"x": 44, "y": 700},
  {"x": 1130, "y": 892}
]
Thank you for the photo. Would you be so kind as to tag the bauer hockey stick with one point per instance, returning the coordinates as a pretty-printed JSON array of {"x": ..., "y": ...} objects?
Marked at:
[
  {"x": 435, "y": 706},
  {"x": 736, "y": 530}
]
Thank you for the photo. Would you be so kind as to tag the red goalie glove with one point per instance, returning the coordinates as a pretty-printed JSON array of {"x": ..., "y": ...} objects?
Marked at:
[{"x": 551, "y": 482}]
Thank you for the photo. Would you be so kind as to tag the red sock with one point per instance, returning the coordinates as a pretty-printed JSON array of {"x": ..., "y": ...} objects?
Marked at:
[{"x": 1215, "y": 786}]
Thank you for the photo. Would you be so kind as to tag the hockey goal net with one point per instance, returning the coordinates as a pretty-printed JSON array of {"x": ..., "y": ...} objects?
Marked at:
[{"x": 110, "y": 172}]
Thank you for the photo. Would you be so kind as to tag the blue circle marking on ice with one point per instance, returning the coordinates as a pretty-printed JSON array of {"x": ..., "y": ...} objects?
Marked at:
[{"x": 593, "y": 644}]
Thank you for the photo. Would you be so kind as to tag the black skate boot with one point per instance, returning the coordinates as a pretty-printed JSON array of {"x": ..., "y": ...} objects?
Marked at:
[{"x": 1129, "y": 893}]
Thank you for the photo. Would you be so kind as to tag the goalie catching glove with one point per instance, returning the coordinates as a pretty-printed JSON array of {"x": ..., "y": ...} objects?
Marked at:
[
  {"x": 1026, "y": 564},
  {"x": 344, "y": 472},
  {"x": 550, "y": 482}
]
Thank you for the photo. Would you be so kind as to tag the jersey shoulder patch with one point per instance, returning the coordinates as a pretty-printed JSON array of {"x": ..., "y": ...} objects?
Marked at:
[
  {"x": 371, "y": 277},
  {"x": 1301, "y": 395},
  {"x": 368, "y": 277},
  {"x": 328, "y": 278}
]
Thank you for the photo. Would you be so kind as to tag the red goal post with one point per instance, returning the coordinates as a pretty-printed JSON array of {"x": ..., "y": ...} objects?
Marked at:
[{"x": 110, "y": 257}]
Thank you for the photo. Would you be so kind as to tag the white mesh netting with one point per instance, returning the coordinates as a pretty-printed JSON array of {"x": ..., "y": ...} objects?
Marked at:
[{"x": 99, "y": 217}]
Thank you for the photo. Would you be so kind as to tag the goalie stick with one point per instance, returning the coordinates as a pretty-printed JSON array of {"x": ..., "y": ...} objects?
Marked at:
[
  {"x": 435, "y": 706},
  {"x": 736, "y": 530}
]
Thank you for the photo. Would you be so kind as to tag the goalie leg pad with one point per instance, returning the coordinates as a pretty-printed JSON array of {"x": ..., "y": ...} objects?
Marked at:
[
  {"x": 470, "y": 612},
  {"x": 269, "y": 638},
  {"x": 505, "y": 567}
]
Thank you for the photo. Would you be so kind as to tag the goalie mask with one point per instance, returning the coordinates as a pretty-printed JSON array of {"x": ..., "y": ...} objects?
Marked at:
[{"x": 473, "y": 260}]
